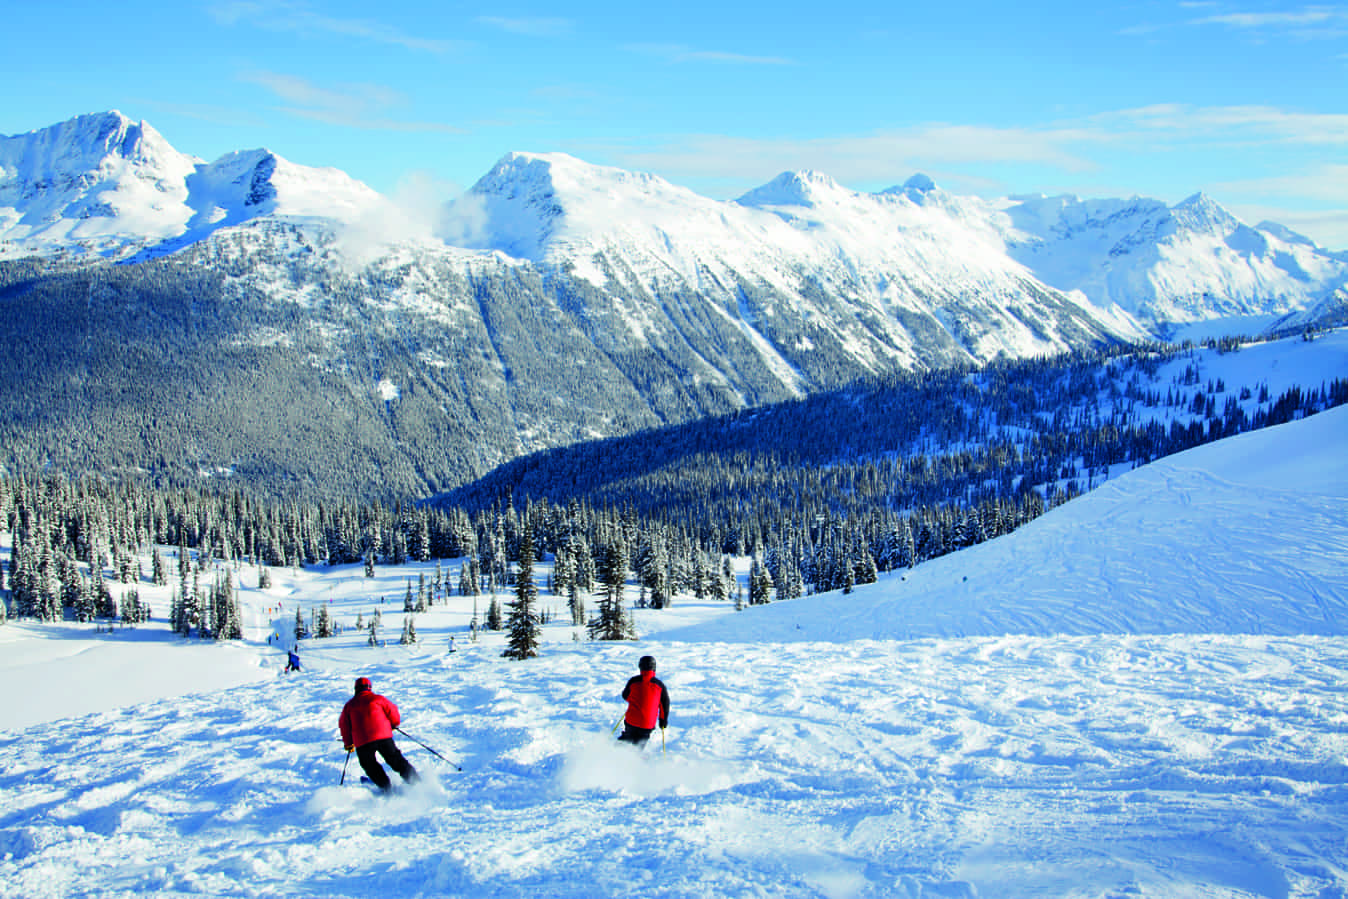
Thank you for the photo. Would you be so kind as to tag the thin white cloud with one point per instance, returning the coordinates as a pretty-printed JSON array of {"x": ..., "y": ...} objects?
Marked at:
[
  {"x": 1307, "y": 23},
  {"x": 1301, "y": 18},
  {"x": 680, "y": 53},
  {"x": 536, "y": 26},
  {"x": 865, "y": 158},
  {"x": 1242, "y": 124},
  {"x": 1070, "y": 148},
  {"x": 300, "y": 18},
  {"x": 1327, "y": 184},
  {"x": 359, "y": 106}
]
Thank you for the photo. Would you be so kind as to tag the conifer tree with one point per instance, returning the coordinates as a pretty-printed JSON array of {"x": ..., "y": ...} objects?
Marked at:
[
  {"x": 493, "y": 620},
  {"x": 611, "y": 621},
  {"x": 522, "y": 642},
  {"x": 158, "y": 570},
  {"x": 301, "y": 631},
  {"x": 323, "y": 627},
  {"x": 409, "y": 634},
  {"x": 760, "y": 584}
]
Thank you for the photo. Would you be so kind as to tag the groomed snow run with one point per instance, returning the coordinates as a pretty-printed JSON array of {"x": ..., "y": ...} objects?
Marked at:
[{"x": 1142, "y": 694}]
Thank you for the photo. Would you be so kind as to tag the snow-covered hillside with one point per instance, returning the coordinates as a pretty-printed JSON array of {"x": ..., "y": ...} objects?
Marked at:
[{"x": 1141, "y": 694}]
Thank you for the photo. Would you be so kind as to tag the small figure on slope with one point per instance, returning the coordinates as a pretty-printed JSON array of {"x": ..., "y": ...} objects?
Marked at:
[
  {"x": 292, "y": 661},
  {"x": 367, "y": 724},
  {"x": 647, "y": 704}
]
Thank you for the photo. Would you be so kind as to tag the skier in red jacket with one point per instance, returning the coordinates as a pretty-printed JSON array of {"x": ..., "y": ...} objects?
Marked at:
[
  {"x": 367, "y": 724},
  {"x": 647, "y": 704}
]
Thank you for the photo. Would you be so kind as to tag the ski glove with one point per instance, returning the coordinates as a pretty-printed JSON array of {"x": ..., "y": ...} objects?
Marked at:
[{"x": 350, "y": 749}]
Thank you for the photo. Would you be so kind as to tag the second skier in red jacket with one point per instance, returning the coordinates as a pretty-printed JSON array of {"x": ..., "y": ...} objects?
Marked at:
[{"x": 647, "y": 704}]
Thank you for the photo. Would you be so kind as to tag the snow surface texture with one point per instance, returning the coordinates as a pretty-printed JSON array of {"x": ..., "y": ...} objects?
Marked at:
[{"x": 1140, "y": 694}]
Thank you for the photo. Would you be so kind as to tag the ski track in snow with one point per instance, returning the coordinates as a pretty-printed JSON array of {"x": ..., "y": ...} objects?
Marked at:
[{"x": 1113, "y": 749}]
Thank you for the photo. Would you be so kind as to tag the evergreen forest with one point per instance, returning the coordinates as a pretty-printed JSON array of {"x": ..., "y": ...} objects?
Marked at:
[{"x": 822, "y": 493}]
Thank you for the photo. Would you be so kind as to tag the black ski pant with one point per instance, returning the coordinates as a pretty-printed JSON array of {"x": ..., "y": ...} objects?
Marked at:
[
  {"x": 637, "y": 735},
  {"x": 389, "y": 750}
]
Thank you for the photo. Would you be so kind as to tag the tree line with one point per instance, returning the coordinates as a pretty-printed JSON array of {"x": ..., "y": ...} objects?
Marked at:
[{"x": 821, "y": 494}]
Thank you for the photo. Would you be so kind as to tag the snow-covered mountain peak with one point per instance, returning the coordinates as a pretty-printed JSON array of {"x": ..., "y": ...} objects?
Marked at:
[
  {"x": 539, "y": 176},
  {"x": 919, "y": 188},
  {"x": 808, "y": 189},
  {"x": 536, "y": 203},
  {"x": 1202, "y": 213},
  {"x": 106, "y": 184}
]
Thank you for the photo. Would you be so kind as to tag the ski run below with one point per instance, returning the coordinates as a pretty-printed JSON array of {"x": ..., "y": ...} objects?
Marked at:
[{"x": 1144, "y": 693}]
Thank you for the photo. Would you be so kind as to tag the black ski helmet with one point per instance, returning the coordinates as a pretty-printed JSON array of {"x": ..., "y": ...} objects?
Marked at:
[{"x": 647, "y": 663}]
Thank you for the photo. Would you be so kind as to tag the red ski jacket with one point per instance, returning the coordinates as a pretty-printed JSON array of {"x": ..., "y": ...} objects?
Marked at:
[
  {"x": 647, "y": 701},
  {"x": 367, "y": 717}
]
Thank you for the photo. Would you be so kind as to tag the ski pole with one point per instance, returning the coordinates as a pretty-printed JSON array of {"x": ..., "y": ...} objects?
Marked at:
[
  {"x": 344, "y": 764},
  {"x": 428, "y": 749},
  {"x": 662, "y": 741},
  {"x": 619, "y": 721}
]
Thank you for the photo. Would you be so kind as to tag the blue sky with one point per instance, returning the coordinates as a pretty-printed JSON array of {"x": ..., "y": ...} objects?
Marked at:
[{"x": 1247, "y": 101}]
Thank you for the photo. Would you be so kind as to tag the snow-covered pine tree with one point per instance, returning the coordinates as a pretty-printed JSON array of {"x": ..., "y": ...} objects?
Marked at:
[
  {"x": 493, "y": 621},
  {"x": 576, "y": 603},
  {"x": 131, "y": 608},
  {"x": 522, "y": 642},
  {"x": 409, "y": 635},
  {"x": 373, "y": 638},
  {"x": 323, "y": 627},
  {"x": 610, "y": 621},
  {"x": 301, "y": 631},
  {"x": 158, "y": 570},
  {"x": 409, "y": 604},
  {"x": 105, "y": 604},
  {"x": 760, "y": 584},
  {"x": 48, "y": 587},
  {"x": 234, "y": 623}
]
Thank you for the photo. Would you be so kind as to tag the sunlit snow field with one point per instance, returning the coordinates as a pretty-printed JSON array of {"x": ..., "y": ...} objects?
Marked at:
[{"x": 1142, "y": 693}]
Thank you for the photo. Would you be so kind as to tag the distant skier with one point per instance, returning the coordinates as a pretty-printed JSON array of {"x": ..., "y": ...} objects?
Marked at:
[
  {"x": 451, "y": 643},
  {"x": 367, "y": 724},
  {"x": 647, "y": 704},
  {"x": 292, "y": 661}
]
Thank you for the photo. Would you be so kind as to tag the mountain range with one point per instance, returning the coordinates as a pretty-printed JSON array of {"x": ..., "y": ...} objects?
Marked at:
[{"x": 553, "y": 301}]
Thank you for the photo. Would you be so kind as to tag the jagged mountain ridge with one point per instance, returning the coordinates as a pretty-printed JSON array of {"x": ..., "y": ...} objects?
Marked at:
[
  {"x": 1189, "y": 262},
  {"x": 106, "y": 184},
  {"x": 261, "y": 319}
]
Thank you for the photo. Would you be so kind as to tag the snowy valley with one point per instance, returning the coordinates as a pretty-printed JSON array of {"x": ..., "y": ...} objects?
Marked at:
[{"x": 1141, "y": 693}]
